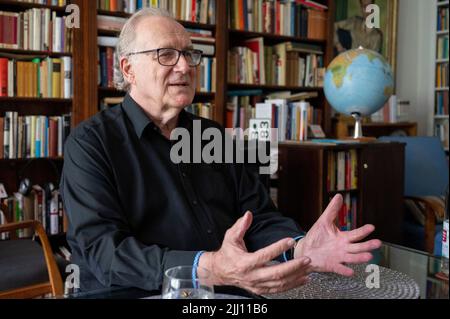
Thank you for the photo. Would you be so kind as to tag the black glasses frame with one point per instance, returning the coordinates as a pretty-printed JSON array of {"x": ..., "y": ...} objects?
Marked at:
[{"x": 184, "y": 52}]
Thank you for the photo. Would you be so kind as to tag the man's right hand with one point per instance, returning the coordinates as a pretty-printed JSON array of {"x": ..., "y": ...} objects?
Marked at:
[{"x": 233, "y": 265}]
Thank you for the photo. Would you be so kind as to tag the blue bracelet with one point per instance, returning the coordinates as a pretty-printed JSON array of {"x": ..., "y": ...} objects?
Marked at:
[
  {"x": 194, "y": 267},
  {"x": 292, "y": 255}
]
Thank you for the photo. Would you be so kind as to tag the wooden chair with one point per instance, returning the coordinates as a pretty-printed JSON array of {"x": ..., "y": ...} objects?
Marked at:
[{"x": 24, "y": 264}]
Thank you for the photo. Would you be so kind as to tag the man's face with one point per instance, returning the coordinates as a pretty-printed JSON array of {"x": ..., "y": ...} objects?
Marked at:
[{"x": 169, "y": 87}]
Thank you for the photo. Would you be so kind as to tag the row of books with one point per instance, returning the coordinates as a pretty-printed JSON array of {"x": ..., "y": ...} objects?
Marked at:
[
  {"x": 441, "y": 130},
  {"x": 291, "y": 118},
  {"x": 240, "y": 108},
  {"x": 204, "y": 110},
  {"x": 35, "y": 29},
  {"x": 201, "y": 11},
  {"x": 442, "y": 48},
  {"x": 348, "y": 214},
  {"x": 286, "y": 63},
  {"x": 33, "y": 136},
  {"x": 42, "y": 78},
  {"x": 342, "y": 170},
  {"x": 442, "y": 75},
  {"x": 43, "y": 204},
  {"x": 442, "y": 19},
  {"x": 288, "y": 17},
  {"x": 59, "y": 3},
  {"x": 441, "y": 103}
]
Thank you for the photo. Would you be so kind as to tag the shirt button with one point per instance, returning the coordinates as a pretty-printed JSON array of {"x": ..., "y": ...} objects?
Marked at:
[
  {"x": 194, "y": 202},
  {"x": 209, "y": 231}
]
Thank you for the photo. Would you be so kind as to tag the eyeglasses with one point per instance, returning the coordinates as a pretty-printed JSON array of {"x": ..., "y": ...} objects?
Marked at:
[{"x": 170, "y": 56}]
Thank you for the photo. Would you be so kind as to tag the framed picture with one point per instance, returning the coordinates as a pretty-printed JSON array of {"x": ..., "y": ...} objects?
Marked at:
[{"x": 354, "y": 27}]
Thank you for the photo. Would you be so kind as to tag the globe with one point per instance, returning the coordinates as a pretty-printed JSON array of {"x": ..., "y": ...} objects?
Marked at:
[{"x": 359, "y": 82}]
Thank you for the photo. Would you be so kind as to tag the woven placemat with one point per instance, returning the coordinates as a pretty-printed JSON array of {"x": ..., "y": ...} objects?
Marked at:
[{"x": 393, "y": 285}]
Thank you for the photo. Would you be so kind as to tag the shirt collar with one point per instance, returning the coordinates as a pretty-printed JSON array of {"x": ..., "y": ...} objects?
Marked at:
[{"x": 140, "y": 120}]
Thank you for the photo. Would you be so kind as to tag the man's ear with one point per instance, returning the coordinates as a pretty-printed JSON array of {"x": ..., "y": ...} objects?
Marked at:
[{"x": 127, "y": 69}]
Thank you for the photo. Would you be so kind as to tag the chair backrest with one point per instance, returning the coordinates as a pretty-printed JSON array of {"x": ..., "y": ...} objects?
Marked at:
[
  {"x": 426, "y": 166},
  {"x": 21, "y": 254}
]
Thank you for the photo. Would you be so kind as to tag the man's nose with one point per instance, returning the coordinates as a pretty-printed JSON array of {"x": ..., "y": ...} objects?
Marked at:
[{"x": 182, "y": 65}]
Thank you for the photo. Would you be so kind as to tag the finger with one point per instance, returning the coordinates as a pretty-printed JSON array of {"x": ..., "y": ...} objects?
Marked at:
[
  {"x": 237, "y": 232},
  {"x": 270, "y": 252},
  {"x": 343, "y": 270},
  {"x": 365, "y": 246},
  {"x": 357, "y": 258},
  {"x": 360, "y": 233},
  {"x": 332, "y": 210},
  {"x": 278, "y": 272}
]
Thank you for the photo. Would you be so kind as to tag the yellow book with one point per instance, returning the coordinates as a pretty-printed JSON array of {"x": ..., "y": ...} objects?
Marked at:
[
  {"x": 354, "y": 169},
  {"x": 56, "y": 78}
]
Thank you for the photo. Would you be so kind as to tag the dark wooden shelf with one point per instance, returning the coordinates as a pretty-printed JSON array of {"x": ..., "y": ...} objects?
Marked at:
[
  {"x": 274, "y": 38},
  {"x": 34, "y": 100},
  {"x": 234, "y": 86},
  {"x": 108, "y": 33},
  {"x": 19, "y": 160},
  {"x": 34, "y": 53},
  {"x": 35, "y": 106},
  {"x": 343, "y": 191},
  {"x": 15, "y": 5},
  {"x": 187, "y": 24}
]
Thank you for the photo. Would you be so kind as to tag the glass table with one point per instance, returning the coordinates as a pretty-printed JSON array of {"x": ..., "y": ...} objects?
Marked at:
[
  {"x": 418, "y": 265},
  {"x": 405, "y": 273}
]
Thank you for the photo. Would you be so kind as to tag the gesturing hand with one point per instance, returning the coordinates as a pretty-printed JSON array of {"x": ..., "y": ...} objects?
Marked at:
[
  {"x": 233, "y": 265},
  {"x": 329, "y": 248}
]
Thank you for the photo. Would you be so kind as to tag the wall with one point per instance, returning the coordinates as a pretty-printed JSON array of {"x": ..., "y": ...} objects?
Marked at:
[{"x": 415, "y": 60}]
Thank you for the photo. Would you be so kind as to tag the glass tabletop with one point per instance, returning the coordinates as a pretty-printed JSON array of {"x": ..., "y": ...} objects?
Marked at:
[
  {"x": 424, "y": 268},
  {"x": 401, "y": 268}
]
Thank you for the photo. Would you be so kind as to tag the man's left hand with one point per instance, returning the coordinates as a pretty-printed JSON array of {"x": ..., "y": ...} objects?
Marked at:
[{"x": 329, "y": 248}]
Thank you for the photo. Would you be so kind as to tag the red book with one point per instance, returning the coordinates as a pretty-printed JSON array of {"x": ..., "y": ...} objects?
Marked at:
[
  {"x": 1, "y": 137},
  {"x": 3, "y": 77},
  {"x": 277, "y": 18},
  {"x": 53, "y": 137}
]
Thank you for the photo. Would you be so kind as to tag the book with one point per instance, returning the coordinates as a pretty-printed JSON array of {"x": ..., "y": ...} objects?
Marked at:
[{"x": 257, "y": 46}]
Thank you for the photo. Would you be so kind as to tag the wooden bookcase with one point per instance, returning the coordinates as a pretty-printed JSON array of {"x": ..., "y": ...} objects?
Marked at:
[
  {"x": 303, "y": 176},
  {"x": 40, "y": 170}
]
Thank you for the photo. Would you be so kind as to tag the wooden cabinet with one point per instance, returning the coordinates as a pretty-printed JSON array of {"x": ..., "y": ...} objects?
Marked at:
[{"x": 377, "y": 193}]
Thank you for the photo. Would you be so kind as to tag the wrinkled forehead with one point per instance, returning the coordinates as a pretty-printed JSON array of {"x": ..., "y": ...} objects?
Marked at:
[{"x": 160, "y": 32}]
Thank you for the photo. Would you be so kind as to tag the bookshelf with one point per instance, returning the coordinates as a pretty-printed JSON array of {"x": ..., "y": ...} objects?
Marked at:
[
  {"x": 440, "y": 84},
  {"x": 240, "y": 30},
  {"x": 65, "y": 103},
  {"x": 310, "y": 174}
]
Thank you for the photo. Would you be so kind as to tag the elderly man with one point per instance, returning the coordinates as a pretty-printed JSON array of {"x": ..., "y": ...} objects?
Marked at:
[{"x": 134, "y": 213}]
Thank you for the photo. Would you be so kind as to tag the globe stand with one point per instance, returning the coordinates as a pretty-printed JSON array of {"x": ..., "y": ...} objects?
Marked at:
[{"x": 358, "y": 134}]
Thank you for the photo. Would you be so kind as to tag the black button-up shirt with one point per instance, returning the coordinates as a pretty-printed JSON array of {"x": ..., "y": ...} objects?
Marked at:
[{"x": 134, "y": 213}]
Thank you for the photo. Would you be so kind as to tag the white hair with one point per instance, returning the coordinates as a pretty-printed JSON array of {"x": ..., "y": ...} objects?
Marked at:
[{"x": 127, "y": 38}]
